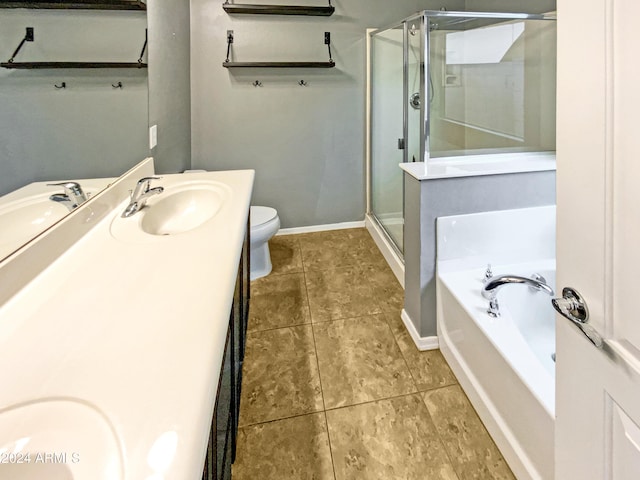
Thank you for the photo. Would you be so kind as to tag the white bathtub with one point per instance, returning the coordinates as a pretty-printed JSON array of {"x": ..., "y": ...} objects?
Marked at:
[{"x": 505, "y": 364}]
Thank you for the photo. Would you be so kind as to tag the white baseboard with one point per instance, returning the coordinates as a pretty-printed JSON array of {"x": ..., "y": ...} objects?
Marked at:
[
  {"x": 422, "y": 343},
  {"x": 320, "y": 228},
  {"x": 393, "y": 259}
]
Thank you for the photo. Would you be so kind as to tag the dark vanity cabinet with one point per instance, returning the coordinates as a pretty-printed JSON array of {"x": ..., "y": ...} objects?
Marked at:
[{"x": 224, "y": 426}]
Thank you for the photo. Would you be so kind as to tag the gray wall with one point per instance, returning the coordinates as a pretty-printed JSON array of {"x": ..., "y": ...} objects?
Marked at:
[
  {"x": 91, "y": 129},
  {"x": 429, "y": 199},
  {"x": 88, "y": 129},
  {"x": 305, "y": 143},
  {"x": 169, "y": 83}
]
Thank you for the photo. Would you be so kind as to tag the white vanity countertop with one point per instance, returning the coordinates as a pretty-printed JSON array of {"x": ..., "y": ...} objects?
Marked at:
[{"x": 135, "y": 330}]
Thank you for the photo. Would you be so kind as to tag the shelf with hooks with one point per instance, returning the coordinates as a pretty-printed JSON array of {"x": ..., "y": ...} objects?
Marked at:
[
  {"x": 239, "y": 8},
  {"x": 29, "y": 37},
  {"x": 229, "y": 64},
  {"x": 279, "y": 64},
  {"x": 76, "y": 5},
  {"x": 40, "y": 65}
]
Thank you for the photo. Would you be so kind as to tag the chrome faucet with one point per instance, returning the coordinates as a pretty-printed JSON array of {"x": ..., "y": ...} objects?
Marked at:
[
  {"x": 140, "y": 195},
  {"x": 72, "y": 197},
  {"x": 492, "y": 287}
]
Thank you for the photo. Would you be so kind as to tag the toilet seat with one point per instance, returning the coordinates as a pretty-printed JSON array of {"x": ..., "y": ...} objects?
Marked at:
[{"x": 261, "y": 215}]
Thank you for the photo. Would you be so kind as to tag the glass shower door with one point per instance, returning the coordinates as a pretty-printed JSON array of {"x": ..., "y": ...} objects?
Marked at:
[
  {"x": 387, "y": 131},
  {"x": 415, "y": 94}
]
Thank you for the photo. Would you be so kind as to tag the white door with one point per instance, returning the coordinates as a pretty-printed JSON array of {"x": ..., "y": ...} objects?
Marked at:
[{"x": 598, "y": 390}]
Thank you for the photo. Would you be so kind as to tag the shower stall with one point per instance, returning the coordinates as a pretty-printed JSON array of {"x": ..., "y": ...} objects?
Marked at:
[{"x": 460, "y": 93}]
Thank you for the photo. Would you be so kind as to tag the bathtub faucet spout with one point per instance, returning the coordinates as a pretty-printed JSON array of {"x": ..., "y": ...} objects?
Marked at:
[{"x": 492, "y": 287}]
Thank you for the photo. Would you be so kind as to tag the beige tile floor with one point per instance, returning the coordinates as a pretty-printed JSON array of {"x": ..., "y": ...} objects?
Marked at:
[{"x": 333, "y": 386}]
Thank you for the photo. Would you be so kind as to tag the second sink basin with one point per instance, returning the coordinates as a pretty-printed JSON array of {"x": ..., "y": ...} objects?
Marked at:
[
  {"x": 181, "y": 209},
  {"x": 58, "y": 439},
  {"x": 23, "y": 219}
]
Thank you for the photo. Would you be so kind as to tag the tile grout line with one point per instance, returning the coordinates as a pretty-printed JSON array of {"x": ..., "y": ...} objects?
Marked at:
[
  {"x": 475, "y": 414},
  {"x": 332, "y": 320},
  {"x": 404, "y": 357},
  {"x": 304, "y": 268},
  {"x": 315, "y": 349},
  {"x": 368, "y": 402},
  {"x": 406, "y": 362},
  {"x": 437, "y": 431},
  {"x": 315, "y": 345},
  {"x": 273, "y": 420},
  {"x": 342, "y": 319},
  {"x": 395, "y": 339},
  {"x": 279, "y": 328},
  {"x": 304, "y": 281},
  {"x": 333, "y": 464},
  {"x": 337, "y": 408},
  {"x": 313, "y": 333},
  {"x": 326, "y": 421}
]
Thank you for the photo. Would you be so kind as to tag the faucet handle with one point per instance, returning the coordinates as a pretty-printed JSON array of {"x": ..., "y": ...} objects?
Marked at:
[
  {"x": 494, "y": 308},
  {"x": 68, "y": 186},
  {"x": 72, "y": 190},
  {"x": 148, "y": 179},
  {"x": 143, "y": 186},
  {"x": 145, "y": 183},
  {"x": 488, "y": 274}
]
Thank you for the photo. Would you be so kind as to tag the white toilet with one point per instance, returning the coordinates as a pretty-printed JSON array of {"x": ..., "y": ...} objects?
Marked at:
[{"x": 264, "y": 225}]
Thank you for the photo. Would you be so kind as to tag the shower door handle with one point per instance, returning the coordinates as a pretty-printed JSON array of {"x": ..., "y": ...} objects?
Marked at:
[
  {"x": 401, "y": 144},
  {"x": 573, "y": 307}
]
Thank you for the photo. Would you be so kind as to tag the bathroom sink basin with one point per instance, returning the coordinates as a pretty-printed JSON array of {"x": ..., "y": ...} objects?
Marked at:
[
  {"x": 27, "y": 212},
  {"x": 58, "y": 440},
  {"x": 184, "y": 206},
  {"x": 23, "y": 219},
  {"x": 181, "y": 209}
]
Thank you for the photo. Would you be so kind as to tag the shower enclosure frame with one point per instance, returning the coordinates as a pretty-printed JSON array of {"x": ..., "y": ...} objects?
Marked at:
[
  {"x": 395, "y": 251},
  {"x": 425, "y": 19}
]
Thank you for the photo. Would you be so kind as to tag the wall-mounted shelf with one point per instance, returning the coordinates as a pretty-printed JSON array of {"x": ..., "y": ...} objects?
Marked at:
[
  {"x": 278, "y": 9},
  {"x": 229, "y": 64},
  {"x": 77, "y": 4},
  {"x": 29, "y": 37},
  {"x": 36, "y": 65},
  {"x": 279, "y": 64}
]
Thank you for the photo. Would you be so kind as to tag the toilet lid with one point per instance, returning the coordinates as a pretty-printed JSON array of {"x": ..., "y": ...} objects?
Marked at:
[{"x": 260, "y": 215}]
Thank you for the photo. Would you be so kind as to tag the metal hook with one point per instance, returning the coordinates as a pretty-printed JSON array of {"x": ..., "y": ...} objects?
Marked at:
[
  {"x": 117, "y": 85},
  {"x": 62, "y": 85},
  {"x": 257, "y": 83},
  {"x": 302, "y": 83}
]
